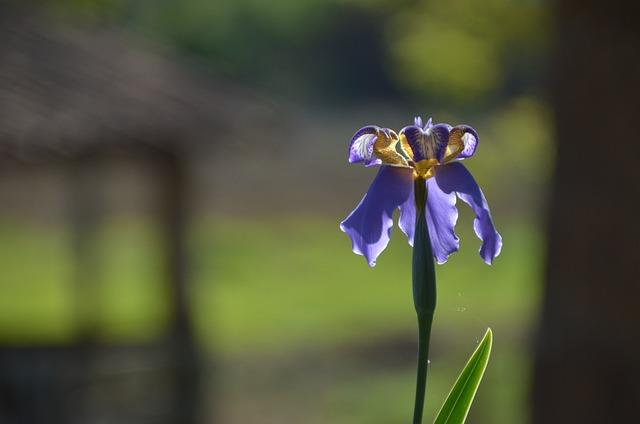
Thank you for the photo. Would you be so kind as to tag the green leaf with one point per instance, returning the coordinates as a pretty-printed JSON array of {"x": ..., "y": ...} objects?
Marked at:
[{"x": 458, "y": 403}]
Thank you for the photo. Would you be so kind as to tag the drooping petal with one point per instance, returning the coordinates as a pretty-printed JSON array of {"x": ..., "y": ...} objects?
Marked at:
[
  {"x": 361, "y": 146},
  {"x": 407, "y": 220},
  {"x": 442, "y": 215},
  {"x": 369, "y": 225},
  {"x": 454, "y": 177}
]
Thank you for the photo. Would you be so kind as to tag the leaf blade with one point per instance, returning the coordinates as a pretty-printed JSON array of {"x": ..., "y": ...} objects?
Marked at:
[{"x": 458, "y": 402}]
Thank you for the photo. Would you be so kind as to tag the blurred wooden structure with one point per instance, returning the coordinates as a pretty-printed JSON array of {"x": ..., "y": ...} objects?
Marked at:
[
  {"x": 586, "y": 368},
  {"x": 77, "y": 99}
]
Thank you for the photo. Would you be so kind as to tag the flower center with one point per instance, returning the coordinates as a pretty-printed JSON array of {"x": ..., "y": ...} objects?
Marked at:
[
  {"x": 425, "y": 168},
  {"x": 421, "y": 150}
]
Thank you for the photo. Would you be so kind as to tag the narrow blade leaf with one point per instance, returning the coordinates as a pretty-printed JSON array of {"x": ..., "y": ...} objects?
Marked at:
[{"x": 458, "y": 403}]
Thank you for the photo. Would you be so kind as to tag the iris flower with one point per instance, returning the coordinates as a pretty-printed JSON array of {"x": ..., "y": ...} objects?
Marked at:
[{"x": 433, "y": 153}]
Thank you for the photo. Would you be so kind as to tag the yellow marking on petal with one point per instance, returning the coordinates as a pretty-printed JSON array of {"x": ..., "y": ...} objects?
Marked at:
[
  {"x": 455, "y": 145},
  {"x": 385, "y": 149},
  {"x": 425, "y": 168},
  {"x": 406, "y": 148}
]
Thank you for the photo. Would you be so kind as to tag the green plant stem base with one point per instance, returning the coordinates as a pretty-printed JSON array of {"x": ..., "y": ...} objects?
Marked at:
[{"x": 424, "y": 294}]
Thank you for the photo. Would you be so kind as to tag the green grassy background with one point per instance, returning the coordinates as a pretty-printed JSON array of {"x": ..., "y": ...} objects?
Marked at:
[{"x": 299, "y": 326}]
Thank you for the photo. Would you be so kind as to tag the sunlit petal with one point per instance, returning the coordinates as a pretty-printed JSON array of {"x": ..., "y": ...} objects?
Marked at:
[
  {"x": 361, "y": 146},
  {"x": 454, "y": 177},
  {"x": 442, "y": 215},
  {"x": 466, "y": 137},
  {"x": 369, "y": 225}
]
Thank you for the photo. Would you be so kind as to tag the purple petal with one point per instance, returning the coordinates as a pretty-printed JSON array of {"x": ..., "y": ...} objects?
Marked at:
[
  {"x": 361, "y": 146},
  {"x": 454, "y": 177},
  {"x": 372, "y": 162},
  {"x": 415, "y": 138},
  {"x": 441, "y": 219},
  {"x": 470, "y": 139},
  {"x": 417, "y": 121},
  {"x": 407, "y": 221},
  {"x": 369, "y": 225},
  {"x": 439, "y": 139},
  {"x": 442, "y": 215},
  {"x": 427, "y": 144},
  {"x": 429, "y": 124}
]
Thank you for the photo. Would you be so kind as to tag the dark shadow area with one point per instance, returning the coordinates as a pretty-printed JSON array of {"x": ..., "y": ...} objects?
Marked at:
[{"x": 586, "y": 367}]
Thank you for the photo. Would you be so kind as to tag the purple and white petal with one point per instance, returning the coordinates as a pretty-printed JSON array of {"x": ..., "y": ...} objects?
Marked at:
[
  {"x": 361, "y": 146},
  {"x": 442, "y": 215},
  {"x": 469, "y": 138},
  {"x": 454, "y": 177},
  {"x": 417, "y": 121},
  {"x": 369, "y": 225}
]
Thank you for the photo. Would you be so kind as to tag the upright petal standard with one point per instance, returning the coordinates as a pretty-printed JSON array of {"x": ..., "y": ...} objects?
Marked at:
[{"x": 430, "y": 153}]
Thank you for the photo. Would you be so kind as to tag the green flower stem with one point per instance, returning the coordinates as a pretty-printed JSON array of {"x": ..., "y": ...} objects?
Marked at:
[{"x": 424, "y": 293}]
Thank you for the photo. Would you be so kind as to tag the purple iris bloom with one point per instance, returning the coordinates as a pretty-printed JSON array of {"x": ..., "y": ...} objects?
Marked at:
[{"x": 433, "y": 153}]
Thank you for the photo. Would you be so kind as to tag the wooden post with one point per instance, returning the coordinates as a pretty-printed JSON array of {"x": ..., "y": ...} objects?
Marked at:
[{"x": 183, "y": 345}]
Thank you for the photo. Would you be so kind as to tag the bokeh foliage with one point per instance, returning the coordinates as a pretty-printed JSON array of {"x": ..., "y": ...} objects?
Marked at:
[
  {"x": 453, "y": 52},
  {"x": 272, "y": 289}
]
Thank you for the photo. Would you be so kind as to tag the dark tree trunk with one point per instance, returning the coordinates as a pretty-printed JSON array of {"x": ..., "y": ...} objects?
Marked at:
[{"x": 587, "y": 367}]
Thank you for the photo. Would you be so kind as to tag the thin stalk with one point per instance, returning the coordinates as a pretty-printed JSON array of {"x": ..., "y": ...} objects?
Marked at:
[
  {"x": 424, "y": 294},
  {"x": 424, "y": 334}
]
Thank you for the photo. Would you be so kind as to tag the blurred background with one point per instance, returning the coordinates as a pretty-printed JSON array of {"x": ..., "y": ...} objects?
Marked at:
[{"x": 172, "y": 176}]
